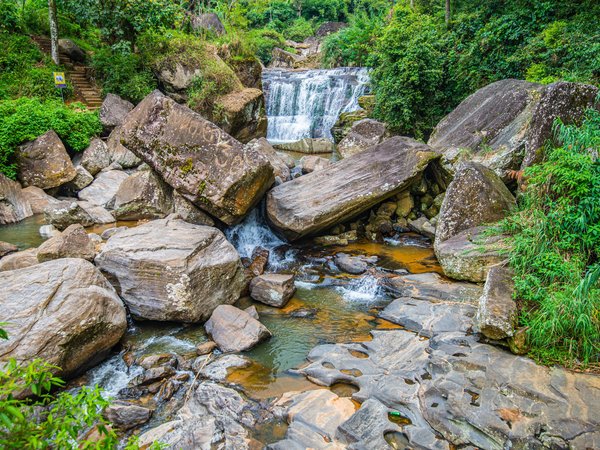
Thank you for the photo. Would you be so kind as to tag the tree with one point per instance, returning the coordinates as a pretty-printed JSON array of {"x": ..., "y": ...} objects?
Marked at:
[
  {"x": 53, "y": 31},
  {"x": 447, "y": 13}
]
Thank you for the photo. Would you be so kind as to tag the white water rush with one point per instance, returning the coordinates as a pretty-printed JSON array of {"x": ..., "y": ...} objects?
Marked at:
[{"x": 307, "y": 103}]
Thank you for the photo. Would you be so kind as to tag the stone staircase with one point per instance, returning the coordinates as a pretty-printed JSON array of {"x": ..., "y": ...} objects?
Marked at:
[{"x": 78, "y": 74}]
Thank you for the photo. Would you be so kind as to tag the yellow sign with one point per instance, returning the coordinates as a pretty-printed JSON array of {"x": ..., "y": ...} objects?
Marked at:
[{"x": 59, "y": 80}]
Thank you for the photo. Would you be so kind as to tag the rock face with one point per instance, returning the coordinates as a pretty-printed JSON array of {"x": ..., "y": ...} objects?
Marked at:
[
  {"x": 320, "y": 200},
  {"x": 363, "y": 135},
  {"x": 500, "y": 123},
  {"x": 96, "y": 157},
  {"x": 72, "y": 50},
  {"x": 497, "y": 314},
  {"x": 81, "y": 180},
  {"x": 68, "y": 212},
  {"x": 113, "y": 111},
  {"x": 242, "y": 114},
  {"x": 476, "y": 196},
  {"x": 273, "y": 289},
  {"x": 38, "y": 199},
  {"x": 62, "y": 311},
  {"x": 44, "y": 162},
  {"x": 7, "y": 248},
  {"x": 143, "y": 196},
  {"x": 71, "y": 243},
  {"x": 14, "y": 205},
  {"x": 208, "y": 22},
  {"x": 453, "y": 390},
  {"x": 432, "y": 287},
  {"x": 172, "y": 270},
  {"x": 282, "y": 59},
  {"x": 280, "y": 168},
  {"x": 19, "y": 260},
  {"x": 206, "y": 166},
  {"x": 190, "y": 212},
  {"x": 313, "y": 163},
  {"x": 235, "y": 330},
  {"x": 118, "y": 153},
  {"x": 104, "y": 188}
]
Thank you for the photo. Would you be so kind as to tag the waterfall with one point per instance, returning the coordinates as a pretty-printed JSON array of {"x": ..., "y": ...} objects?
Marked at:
[{"x": 307, "y": 103}]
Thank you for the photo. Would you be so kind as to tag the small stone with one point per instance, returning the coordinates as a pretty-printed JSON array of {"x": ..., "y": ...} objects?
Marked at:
[
  {"x": 205, "y": 348},
  {"x": 161, "y": 359},
  {"x": 107, "y": 234},
  {"x": 235, "y": 330},
  {"x": 72, "y": 243},
  {"x": 126, "y": 416},
  {"x": 273, "y": 289},
  {"x": 350, "y": 264}
]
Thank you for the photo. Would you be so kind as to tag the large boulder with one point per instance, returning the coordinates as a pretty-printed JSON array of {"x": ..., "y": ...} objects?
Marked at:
[
  {"x": 118, "y": 153},
  {"x": 143, "y": 196},
  {"x": 241, "y": 114},
  {"x": 497, "y": 313},
  {"x": 206, "y": 165},
  {"x": 280, "y": 168},
  {"x": 320, "y": 200},
  {"x": 38, "y": 199},
  {"x": 476, "y": 196},
  {"x": 62, "y": 311},
  {"x": 68, "y": 212},
  {"x": 208, "y": 22},
  {"x": 14, "y": 205},
  {"x": 72, "y": 50},
  {"x": 171, "y": 270},
  {"x": 44, "y": 162},
  {"x": 363, "y": 135},
  {"x": 96, "y": 157},
  {"x": 235, "y": 330},
  {"x": 71, "y": 243},
  {"x": 113, "y": 111},
  {"x": 501, "y": 122},
  {"x": 103, "y": 190}
]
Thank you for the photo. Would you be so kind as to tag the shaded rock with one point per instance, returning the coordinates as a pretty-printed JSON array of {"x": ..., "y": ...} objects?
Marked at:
[
  {"x": 157, "y": 360},
  {"x": 314, "y": 163},
  {"x": 63, "y": 311},
  {"x": 205, "y": 348},
  {"x": 67, "y": 212},
  {"x": 208, "y": 22},
  {"x": 282, "y": 59},
  {"x": 322, "y": 199},
  {"x": 273, "y": 289},
  {"x": 248, "y": 69},
  {"x": 422, "y": 226},
  {"x": 497, "y": 314},
  {"x": 235, "y": 330},
  {"x": 432, "y": 287},
  {"x": 328, "y": 28},
  {"x": 344, "y": 123},
  {"x": 72, "y": 50},
  {"x": 44, "y": 162},
  {"x": 476, "y": 196},
  {"x": 470, "y": 254},
  {"x": 206, "y": 166},
  {"x": 119, "y": 154},
  {"x": 313, "y": 417},
  {"x": 143, "y": 195},
  {"x": 405, "y": 203},
  {"x": 127, "y": 416},
  {"x": 71, "y": 243},
  {"x": 351, "y": 264},
  {"x": 154, "y": 375},
  {"x": 340, "y": 239},
  {"x": 104, "y": 188},
  {"x": 82, "y": 179},
  {"x": 363, "y": 135},
  {"x": 241, "y": 114},
  {"x": 38, "y": 199},
  {"x": 19, "y": 260},
  {"x": 7, "y": 248},
  {"x": 280, "y": 167},
  {"x": 172, "y": 270},
  {"x": 366, "y": 429},
  {"x": 190, "y": 212},
  {"x": 113, "y": 111},
  {"x": 96, "y": 157},
  {"x": 14, "y": 204}
]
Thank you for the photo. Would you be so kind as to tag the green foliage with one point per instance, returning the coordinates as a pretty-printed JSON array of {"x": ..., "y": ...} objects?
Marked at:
[
  {"x": 25, "y": 119},
  {"x": 10, "y": 19},
  {"x": 408, "y": 73},
  {"x": 353, "y": 45},
  {"x": 123, "y": 73},
  {"x": 324, "y": 10},
  {"x": 555, "y": 236},
  {"x": 262, "y": 42},
  {"x": 299, "y": 30}
]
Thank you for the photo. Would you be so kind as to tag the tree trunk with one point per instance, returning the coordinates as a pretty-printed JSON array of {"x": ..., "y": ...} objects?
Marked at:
[
  {"x": 412, "y": 4},
  {"x": 447, "y": 13},
  {"x": 53, "y": 31}
]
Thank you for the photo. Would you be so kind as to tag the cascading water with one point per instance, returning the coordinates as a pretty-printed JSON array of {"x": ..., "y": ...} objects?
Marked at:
[{"x": 307, "y": 103}]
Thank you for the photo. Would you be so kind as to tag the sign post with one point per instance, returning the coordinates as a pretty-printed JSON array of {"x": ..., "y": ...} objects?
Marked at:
[{"x": 60, "y": 82}]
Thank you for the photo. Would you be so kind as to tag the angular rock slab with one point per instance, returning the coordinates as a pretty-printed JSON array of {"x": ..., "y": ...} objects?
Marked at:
[
  {"x": 104, "y": 188},
  {"x": 62, "y": 311},
  {"x": 71, "y": 243},
  {"x": 273, "y": 289},
  {"x": 38, "y": 199},
  {"x": 143, "y": 195},
  {"x": 235, "y": 330},
  {"x": 497, "y": 314},
  {"x": 96, "y": 157},
  {"x": 44, "y": 162},
  {"x": 113, "y": 111},
  {"x": 206, "y": 165},
  {"x": 432, "y": 287},
  {"x": 172, "y": 270},
  {"x": 363, "y": 135},
  {"x": 319, "y": 200},
  {"x": 14, "y": 205},
  {"x": 454, "y": 387}
]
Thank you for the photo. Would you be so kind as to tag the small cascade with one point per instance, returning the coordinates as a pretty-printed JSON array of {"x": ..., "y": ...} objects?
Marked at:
[
  {"x": 307, "y": 103},
  {"x": 363, "y": 289}
]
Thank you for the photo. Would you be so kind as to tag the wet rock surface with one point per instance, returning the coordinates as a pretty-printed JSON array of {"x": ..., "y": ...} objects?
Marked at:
[
  {"x": 172, "y": 270},
  {"x": 14, "y": 205},
  {"x": 432, "y": 287}
]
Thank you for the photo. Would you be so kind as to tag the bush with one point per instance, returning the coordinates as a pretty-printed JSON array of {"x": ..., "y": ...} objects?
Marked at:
[
  {"x": 121, "y": 72},
  {"x": 25, "y": 119},
  {"x": 262, "y": 42},
  {"x": 324, "y": 10},
  {"x": 352, "y": 46},
  {"x": 299, "y": 30},
  {"x": 555, "y": 236}
]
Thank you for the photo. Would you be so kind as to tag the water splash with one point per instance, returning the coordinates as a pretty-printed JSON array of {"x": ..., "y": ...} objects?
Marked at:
[
  {"x": 113, "y": 375},
  {"x": 307, "y": 103},
  {"x": 363, "y": 289}
]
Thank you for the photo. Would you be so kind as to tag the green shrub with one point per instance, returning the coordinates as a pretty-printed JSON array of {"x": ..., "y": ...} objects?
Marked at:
[
  {"x": 555, "y": 236},
  {"x": 25, "y": 119},
  {"x": 353, "y": 45},
  {"x": 10, "y": 19},
  {"x": 299, "y": 30},
  {"x": 324, "y": 10},
  {"x": 263, "y": 41}
]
